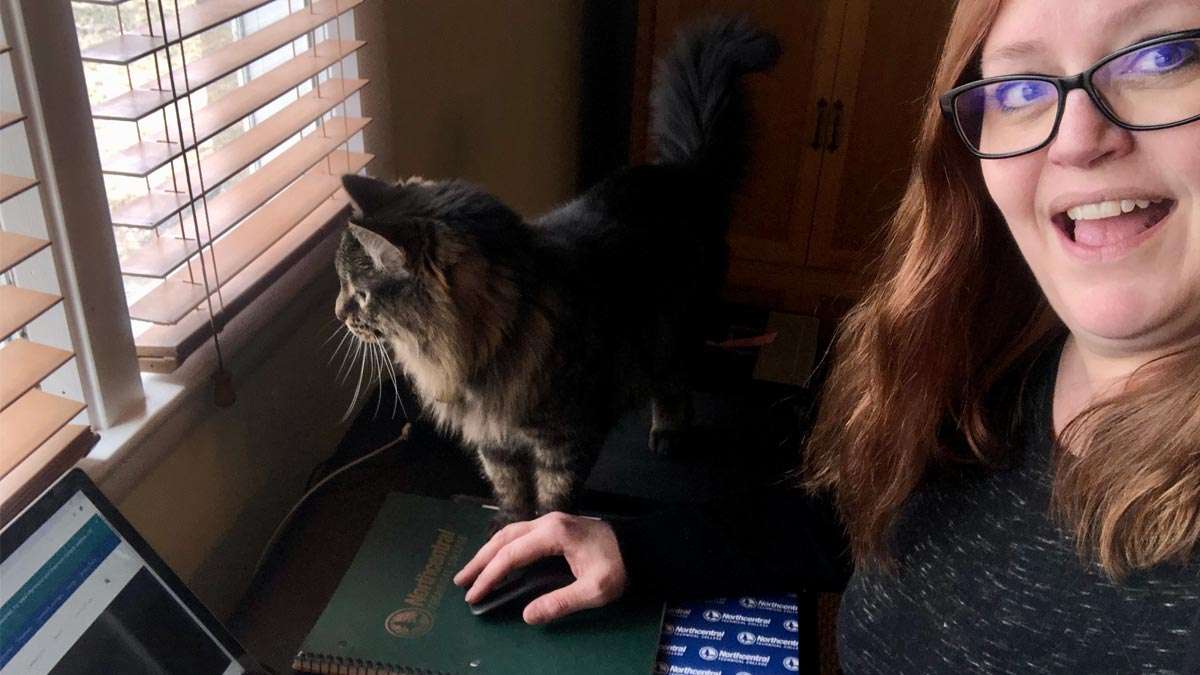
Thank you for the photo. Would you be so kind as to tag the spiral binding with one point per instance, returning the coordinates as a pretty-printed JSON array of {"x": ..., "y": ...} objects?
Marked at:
[{"x": 326, "y": 664}]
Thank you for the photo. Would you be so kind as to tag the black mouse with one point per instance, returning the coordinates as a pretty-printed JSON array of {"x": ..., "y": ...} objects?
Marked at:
[{"x": 524, "y": 584}]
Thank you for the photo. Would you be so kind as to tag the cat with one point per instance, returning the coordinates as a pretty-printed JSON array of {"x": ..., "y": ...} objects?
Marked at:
[{"x": 530, "y": 338}]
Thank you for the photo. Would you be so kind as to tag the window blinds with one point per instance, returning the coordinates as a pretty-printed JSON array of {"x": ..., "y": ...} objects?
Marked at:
[
  {"x": 37, "y": 437},
  {"x": 240, "y": 120}
]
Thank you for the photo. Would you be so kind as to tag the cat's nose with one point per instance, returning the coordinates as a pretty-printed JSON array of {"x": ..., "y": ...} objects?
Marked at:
[{"x": 339, "y": 310}]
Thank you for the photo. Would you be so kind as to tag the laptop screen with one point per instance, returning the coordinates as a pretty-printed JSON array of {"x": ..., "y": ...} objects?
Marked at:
[{"x": 75, "y": 597}]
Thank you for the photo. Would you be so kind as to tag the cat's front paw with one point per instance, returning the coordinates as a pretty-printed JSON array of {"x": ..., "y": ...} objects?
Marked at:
[{"x": 667, "y": 442}]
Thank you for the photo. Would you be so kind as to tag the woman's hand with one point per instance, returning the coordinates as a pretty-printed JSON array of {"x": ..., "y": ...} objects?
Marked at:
[{"x": 590, "y": 547}]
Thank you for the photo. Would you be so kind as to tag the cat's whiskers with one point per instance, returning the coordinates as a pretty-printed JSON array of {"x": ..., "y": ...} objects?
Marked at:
[
  {"x": 345, "y": 334},
  {"x": 378, "y": 379},
  {"x": 387, "y": 360},
  {"x": 351, "y": 356},
  {"x": 333, "y": 334},
  {"x": 362, "y": 365},
  {"x": 352, "y": 346}
]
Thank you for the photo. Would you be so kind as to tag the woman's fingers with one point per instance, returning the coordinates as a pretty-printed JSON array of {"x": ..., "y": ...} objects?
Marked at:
[
  {"x": 590, "y": 547},
  {"x": 524, "y": 549},
  {"x": 556, "y": 604},
  {"x": 482, "y": 557}
]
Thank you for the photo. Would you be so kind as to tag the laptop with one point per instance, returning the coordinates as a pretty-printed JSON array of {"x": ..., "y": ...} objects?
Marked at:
[{"x": 82, "y": 592}]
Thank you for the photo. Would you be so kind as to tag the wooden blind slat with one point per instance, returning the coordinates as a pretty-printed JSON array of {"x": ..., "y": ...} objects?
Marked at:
[
  {"x": 11, "y": 186},
  {"x": 170, "y": 302},
  {"x": 250, "y": 146},
  {"x": 121, "y": 49},
  {"x": 151, "y": 209},
  {"x": 143, "y": 158},
  {"x": 132, "y": 105},
  {"x": 158, "y": 257},
  {"x": 4, "y": 48},
  {"x": 160, "y": 205},
  {"x": 201, "y": 16},
  {"x": 220, "y": 114},
  {"x": 194, "y": 19},
  {"x": 23, "y": 364},
  {"x": 16, "y": 248},
  {"x": 29, "y": 422},
  {"x": 162, "y": 348},
  {"x": 42, "y": 467},
  {"x": 19, "y": 306},
  {"x": 162, "y": 304},
  {"x": 7, "y": 119},
  {"x": 211, "y": 67}
]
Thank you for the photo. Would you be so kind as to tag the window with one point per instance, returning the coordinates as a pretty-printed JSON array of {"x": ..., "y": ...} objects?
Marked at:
[
  {"x": 214, "y": 152},
  {"x": 196, "y": 148}
]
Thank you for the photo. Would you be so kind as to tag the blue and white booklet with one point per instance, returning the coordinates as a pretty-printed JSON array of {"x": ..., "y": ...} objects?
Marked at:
[{"x": 748, "y": 635}]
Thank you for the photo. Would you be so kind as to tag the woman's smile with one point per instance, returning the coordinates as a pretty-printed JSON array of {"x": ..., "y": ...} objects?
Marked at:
[{"x": 1107, "y": 230}]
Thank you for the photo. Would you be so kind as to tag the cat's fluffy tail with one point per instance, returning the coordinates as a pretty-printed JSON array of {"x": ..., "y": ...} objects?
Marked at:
[{"x": 699, "y": 116}]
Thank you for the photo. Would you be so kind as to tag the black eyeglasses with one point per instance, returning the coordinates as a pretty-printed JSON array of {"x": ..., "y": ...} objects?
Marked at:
[{"x": 1150, "y": 85}]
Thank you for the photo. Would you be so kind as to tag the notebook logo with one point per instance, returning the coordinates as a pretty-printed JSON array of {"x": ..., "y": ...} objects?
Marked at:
[{"x": 409, "y": 622}]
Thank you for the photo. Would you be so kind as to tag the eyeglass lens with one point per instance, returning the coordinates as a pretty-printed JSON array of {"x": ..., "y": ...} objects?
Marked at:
[{"x": 1154, "y": 86}]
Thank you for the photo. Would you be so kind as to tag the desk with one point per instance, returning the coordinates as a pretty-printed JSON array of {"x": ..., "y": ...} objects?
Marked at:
[{"x": 289, "y": 594}]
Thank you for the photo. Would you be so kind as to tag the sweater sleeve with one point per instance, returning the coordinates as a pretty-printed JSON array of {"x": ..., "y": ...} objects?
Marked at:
[{"x": 782, "y": 540}]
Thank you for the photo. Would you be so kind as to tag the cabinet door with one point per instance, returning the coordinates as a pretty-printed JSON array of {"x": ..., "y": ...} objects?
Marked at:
[
  {"x": 773, "y": 210},
  {"x": 889, "y": 50}
]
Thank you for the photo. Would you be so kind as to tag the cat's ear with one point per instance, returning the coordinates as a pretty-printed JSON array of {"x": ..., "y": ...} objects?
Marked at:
[
  {"x": 386, "y": 256},
  {"x": 368, "y": 194}
]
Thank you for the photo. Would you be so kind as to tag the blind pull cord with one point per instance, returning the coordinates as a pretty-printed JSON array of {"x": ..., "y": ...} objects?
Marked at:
[{"x": 224, "y": 394}]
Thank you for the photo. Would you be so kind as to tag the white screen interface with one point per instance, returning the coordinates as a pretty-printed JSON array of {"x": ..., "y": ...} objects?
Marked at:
[{"x": 76, "y": 598}]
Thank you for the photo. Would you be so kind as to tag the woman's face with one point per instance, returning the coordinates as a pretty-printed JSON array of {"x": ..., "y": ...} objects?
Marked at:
[{"x": 1123, "y": 284}]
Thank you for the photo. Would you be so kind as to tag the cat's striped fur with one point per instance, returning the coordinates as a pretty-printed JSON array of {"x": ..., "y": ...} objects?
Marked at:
[{"x": 531, "y": 338}]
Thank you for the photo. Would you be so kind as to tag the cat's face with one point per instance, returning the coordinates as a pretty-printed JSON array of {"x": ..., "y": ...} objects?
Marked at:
[{"x": 385, "y": 264}]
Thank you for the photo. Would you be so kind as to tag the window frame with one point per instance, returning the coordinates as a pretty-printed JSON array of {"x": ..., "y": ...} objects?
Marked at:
[
  {"x": 123, "y": 395},
  {"x": 63, "y": 150}
]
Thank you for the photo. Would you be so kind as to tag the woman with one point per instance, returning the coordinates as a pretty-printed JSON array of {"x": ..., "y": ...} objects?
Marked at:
[{"x": 1011, "y": 435}]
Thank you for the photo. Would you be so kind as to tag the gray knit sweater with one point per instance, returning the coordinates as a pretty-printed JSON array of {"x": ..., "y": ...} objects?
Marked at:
[{"x": 988, "y": 583}]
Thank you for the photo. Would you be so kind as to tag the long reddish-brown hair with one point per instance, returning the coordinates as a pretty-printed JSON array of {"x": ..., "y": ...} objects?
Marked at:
[{"x": 955, "y": 314}]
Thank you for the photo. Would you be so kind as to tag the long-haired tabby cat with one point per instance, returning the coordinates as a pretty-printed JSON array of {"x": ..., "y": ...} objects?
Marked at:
[{"x": 531, "y": 338}]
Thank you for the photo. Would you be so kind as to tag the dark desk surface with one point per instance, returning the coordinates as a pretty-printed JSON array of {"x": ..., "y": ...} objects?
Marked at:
[{"x": 289, "y": 594}]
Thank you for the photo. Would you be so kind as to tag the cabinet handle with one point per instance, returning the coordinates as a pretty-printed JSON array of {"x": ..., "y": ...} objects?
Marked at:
[
  {"x": 822, "y": 104},
  {"x": 836, "y": 126}
]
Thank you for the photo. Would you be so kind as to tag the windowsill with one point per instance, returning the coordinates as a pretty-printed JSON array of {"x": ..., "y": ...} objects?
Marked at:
[{"x": 175, "y": 401}]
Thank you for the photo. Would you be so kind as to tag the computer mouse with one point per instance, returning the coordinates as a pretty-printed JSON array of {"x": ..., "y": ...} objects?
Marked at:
[{"x": 524, "y": 584}]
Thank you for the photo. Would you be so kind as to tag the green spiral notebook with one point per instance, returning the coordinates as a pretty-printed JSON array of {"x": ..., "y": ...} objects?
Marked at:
[{"x": 397, "y": 611}]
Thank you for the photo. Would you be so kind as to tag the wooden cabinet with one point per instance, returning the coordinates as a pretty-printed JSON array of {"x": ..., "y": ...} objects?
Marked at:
[{"x": 834, "y": 125}]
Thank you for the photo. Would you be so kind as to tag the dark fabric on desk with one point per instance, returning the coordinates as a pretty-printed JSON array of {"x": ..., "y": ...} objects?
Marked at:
[
  {"x": 778, "y": 540},
  {"x": 986, "y": 581}
]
